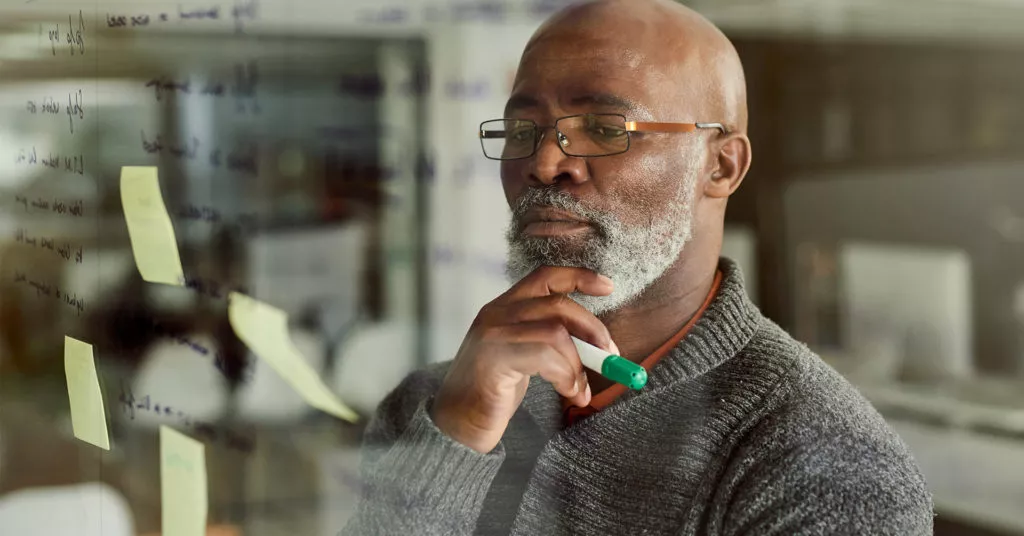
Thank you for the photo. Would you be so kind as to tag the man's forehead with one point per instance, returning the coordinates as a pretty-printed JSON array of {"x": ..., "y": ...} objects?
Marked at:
[
  {"x": 591, "y": 72},
  {"x": 582, "y": 53}
]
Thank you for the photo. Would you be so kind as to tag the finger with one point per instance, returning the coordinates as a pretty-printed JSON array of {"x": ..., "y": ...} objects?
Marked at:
[
  {"x": 548, "y": 280},
  {"x": 560, "y": 308},
  {"x": 582, "y": 397},
  {"x": 544, "y": 349}
]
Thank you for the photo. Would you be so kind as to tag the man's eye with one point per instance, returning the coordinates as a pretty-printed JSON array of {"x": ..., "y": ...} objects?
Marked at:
[
  {"x": 606, "y": 131},
  {"x": 521, "y": 134}
]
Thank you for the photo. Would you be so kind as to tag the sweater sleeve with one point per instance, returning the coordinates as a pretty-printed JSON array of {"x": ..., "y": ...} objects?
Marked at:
[
  {"x": 839, "y": 486},
  {"x": 415, "y": 479}
]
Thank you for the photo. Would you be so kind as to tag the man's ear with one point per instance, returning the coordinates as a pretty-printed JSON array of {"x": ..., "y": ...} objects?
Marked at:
[{"x": 731, "y": 164}]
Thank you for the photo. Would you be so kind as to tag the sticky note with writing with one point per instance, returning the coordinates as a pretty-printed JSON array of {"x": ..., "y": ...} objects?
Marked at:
[
  {"x": 88, "y": 418},
  {"x": 149, "y": 227},
  {"x": 182, "y": 484},
  {"x": 264, "y": 329}
]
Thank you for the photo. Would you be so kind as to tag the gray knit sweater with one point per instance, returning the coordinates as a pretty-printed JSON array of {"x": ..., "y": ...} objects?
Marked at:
[{"x": 740, "y": 430}]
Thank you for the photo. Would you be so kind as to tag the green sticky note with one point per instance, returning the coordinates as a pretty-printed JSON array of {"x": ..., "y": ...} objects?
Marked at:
[
  {"x": 182, "y": 484},
  {"x": 88, "y": 417}
]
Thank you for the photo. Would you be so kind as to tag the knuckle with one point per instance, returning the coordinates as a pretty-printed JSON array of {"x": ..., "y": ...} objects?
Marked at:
[
  {"x": 555, "y": 331},
  {"x": 488, "y": 315},
  {"x": 481, "y": 316}
]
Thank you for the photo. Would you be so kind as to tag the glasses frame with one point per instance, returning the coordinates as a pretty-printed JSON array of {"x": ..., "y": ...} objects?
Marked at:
[{"x": 631, "y": 126}]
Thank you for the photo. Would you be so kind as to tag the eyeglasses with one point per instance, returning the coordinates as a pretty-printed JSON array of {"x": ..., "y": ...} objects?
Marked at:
[{"x": 582, "y": 135}]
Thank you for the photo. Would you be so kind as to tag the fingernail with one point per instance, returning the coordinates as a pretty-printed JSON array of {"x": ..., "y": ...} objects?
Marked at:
[
  {"x": 586, "y": 394},
  {"x": 606, "y": 280},
  {"x": 614, "y": 348}
]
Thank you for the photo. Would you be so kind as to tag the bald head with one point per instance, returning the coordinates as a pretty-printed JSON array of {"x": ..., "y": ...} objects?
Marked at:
[{"x": 691, "y": 70}]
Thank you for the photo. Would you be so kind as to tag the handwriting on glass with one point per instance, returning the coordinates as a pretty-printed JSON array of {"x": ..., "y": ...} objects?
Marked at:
[
  {"x": 74, "y": 36},
  {"x": 54, "y": 36},
  {"x": 242, "y": 88},
  {"x": 386, "y": 15},
  {"x": 248, "y": 369},
  {"x": 242, "y": 224},
  {"x": 482, "y": 11},
  {"x": 241, "y": 11},
  {"x": 464, "y": 90},
  {"x": 75, "y": 109},
  {"x": 51, "y": 291},
  {"x": 200, "y": 429},
  {"x": 49, "y": 106},
  {"x": 64, "y": 251},
  {"x": 372, "y": 85},
  {"x": 71, "y": 163},
  {"x": 209, "y": 288},
  {"x": 456, "y": 11},
  {"x": 241, "y": 159},
  {"x": 123, "y": 21},
  {"x": 545, "y": 8}
]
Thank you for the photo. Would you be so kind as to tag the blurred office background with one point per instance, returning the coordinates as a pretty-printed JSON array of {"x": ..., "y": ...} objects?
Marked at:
[{"x": 322, "y": 157}]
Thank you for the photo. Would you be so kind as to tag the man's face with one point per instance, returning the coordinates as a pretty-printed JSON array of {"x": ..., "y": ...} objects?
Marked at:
[{"x": 625, "y": 216}]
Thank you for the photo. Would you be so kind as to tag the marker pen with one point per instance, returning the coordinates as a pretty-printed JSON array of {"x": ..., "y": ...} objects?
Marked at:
[{"x": 615, "y": 368}]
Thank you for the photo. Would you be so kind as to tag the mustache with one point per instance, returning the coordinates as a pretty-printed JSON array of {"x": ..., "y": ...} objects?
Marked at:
[{"x": 551, "y": 196}]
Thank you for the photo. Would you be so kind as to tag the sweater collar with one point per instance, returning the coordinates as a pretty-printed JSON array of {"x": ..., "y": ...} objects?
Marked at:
[{"x": 724, "y": 329}]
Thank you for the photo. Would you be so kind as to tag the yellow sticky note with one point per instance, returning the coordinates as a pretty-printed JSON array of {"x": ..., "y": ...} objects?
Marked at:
[
  {"x": 182, "y": 484},
  {"x": 149, "y": 227},
  {"x": 264, "y": 329},
  {"x": 88, "y": 418}
]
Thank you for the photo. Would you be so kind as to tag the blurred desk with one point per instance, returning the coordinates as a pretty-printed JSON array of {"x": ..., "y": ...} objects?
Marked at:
[
  {"x": 968, "y": 440},
  {"x": 975, "y": 478}
]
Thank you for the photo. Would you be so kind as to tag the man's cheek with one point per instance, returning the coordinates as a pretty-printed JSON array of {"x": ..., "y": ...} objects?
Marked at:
[{"x": 510, "y": 183}]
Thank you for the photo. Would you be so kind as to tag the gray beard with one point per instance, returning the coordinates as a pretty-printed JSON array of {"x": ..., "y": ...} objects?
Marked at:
[{"x": 634, "y": 257}]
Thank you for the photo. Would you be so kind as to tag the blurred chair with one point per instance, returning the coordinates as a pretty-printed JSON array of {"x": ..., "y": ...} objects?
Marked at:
[{"x": 91, "y": 509}]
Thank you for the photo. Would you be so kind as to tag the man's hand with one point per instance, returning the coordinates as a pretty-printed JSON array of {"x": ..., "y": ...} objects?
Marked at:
[{"x": 523, "y": 332}]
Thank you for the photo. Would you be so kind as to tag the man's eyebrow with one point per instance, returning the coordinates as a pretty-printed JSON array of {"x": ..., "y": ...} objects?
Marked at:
[
  {"x": 518, "y": 102},
  {"x": 605, "y": 101}
]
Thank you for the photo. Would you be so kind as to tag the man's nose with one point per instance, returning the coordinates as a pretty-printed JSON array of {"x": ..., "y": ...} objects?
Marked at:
[{"x": 551, "y": 164}]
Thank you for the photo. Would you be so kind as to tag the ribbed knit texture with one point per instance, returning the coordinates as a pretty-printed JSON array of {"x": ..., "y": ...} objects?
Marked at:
[{"x": 740, "y": 430}]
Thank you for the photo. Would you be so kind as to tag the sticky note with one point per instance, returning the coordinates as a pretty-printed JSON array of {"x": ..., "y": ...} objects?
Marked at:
[
  {"x": 264, "y": 329},
  {"x": 182, "y": 484},
  {"x": 149, "y": 227},
  {"x": 88, "y": 418}
]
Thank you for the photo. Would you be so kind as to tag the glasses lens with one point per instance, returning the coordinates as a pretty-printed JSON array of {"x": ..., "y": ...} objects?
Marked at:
[
  {"x": 593, "y": 134},
  {"x": 507, "y": 139}
]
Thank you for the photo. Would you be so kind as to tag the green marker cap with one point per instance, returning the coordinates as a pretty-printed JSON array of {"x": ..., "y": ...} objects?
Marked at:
[{"x": 624, "y": 371}]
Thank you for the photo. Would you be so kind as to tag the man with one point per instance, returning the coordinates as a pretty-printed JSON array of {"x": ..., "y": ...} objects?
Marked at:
[{"x": 618, "y": 212}]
